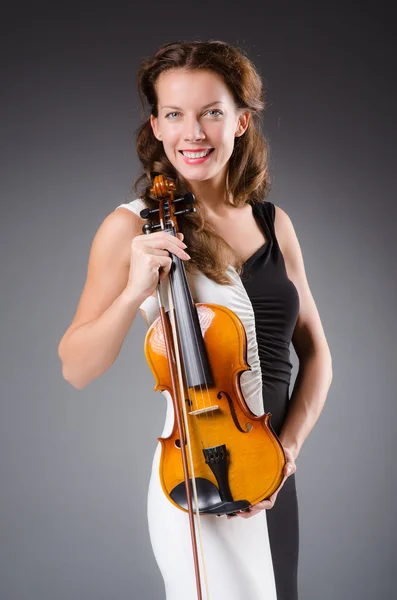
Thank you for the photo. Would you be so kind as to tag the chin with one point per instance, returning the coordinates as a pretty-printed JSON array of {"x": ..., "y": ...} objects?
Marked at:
[
  {"x": 198, "y": 176},
  {"x": 195, "y": 174}
]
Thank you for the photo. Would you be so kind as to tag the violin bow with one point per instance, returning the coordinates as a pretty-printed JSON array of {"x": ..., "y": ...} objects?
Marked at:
[{"x": 164, "y": 188}]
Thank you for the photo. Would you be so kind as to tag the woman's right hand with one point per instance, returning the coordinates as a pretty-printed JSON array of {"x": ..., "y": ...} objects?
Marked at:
[{"x": 151, "y": 261}]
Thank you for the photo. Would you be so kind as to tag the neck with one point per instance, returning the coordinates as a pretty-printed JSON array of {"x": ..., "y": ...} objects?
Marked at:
[{"x": 212, "y": 196}]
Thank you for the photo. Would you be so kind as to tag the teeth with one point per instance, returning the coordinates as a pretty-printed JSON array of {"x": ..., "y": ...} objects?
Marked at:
[{"x": 196, "y": 154}]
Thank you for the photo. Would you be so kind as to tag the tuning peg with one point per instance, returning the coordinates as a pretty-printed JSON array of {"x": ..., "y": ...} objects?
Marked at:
[
  {"x": 185, "y": 210},
  {"x": 188, "y": 198},
  {"x": 147, "y": 228},
  {"x": 147, "y": 212}
]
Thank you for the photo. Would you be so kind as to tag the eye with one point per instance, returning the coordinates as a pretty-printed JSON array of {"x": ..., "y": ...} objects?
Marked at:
[
  {"x": 215, "y": 110},
  {"x": 171, "y": 113}
]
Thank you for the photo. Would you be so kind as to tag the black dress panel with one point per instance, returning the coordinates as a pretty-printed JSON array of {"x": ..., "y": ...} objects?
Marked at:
[{"x": 275, "y": 302}]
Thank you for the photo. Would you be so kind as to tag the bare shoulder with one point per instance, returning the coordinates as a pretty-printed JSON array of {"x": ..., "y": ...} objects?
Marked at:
[
  {"x": 286, "y": 236},
  {"x": 112, "y": 241},
  {"x": 309, "y": 334},
  {"x": 108, "y": 265},
  {"x": 289, "y": 246},
  {"x": 119, "y": 228}
]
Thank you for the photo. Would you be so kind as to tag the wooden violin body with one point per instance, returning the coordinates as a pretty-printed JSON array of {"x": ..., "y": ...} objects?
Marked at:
[{"x": 244, "y": 462}]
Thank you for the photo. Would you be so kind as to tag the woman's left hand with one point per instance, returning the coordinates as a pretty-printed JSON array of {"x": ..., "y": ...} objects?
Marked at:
[{"x": 289, "y": 469}]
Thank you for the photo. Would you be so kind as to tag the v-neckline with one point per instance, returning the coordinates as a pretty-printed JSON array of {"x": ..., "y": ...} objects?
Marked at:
[{"x": 256, "y": 254}]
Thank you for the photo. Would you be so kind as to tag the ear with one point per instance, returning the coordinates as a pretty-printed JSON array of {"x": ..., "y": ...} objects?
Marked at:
[
  {"x": 242, "y": 123},
  {"x": 153, "y": 123}
]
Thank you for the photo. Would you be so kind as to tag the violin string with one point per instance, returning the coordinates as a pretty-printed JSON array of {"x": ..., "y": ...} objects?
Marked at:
[
  {"x": 196, "y": 403},
  {"x": 182, "y": 395},
  {"x": 203, "y": 395},
  {"x": 185, "y": 323}
]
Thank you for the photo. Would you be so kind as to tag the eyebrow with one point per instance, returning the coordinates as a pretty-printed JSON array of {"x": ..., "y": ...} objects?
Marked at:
[{"x": 206, "y": 106}]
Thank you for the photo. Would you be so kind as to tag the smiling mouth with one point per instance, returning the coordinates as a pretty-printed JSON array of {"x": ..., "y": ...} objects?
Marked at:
[{"x": 196, "y": 154}]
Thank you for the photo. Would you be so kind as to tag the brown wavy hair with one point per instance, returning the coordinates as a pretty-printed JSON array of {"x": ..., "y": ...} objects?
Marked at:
[{"x": 248, "y": 174}]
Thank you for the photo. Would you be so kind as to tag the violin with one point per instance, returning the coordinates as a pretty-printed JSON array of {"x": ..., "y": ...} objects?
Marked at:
[{"x": 220, "y": 457}]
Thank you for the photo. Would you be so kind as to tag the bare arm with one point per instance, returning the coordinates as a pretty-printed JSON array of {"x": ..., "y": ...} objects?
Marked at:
[
  {"x": 106, "y": 309},
  {"x": 315, "y": 364},
  {"x": 90, "y": 349}
]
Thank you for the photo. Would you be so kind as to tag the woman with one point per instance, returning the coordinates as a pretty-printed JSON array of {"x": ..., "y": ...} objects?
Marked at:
[{"x": 204, "y": 131}]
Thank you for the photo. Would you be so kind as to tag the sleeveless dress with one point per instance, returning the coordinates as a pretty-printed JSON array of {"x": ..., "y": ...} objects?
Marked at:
[{"x": 255, "y": 558}]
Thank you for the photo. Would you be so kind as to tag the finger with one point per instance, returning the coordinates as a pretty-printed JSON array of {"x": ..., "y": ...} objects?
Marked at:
[
  {"x": 244, "y": 515},
  {"x": 163, "y": 262},
  {"x": 269, "y": 503},
  {"x": 168, "y": 246},
  {"x": 160, "y": 237},
  {"x": 289, "y": 468},
  {"x": 247, "y": 513},
  {"x": 261, "y": 506},
  {"x": 290, "y": 460},
  {"x": 254, "y": 511},
  {"x": 156, "y": 251},
  {"x": 159, "y": 252},
  {"x": 280, "y": 486},
  {"x": 163, "y": 265}
]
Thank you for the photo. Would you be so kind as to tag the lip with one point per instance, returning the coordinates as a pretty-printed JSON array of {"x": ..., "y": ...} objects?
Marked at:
[
  {"x": 194, "y": 149},
  {"x": 196, "y": 161}
]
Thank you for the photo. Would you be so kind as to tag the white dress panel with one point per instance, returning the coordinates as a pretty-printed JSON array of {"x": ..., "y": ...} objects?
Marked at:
[{"x": 237, "y": 551}]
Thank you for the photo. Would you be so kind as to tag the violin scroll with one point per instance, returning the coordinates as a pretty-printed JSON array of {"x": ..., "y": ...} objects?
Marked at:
[{"x": 164, "y": 189}]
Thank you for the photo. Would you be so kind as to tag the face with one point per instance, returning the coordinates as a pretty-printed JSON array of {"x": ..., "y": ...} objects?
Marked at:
[{"x": 197, "y": 123}]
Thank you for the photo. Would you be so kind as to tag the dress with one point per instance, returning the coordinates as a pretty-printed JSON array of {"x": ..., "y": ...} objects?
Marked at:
[{"x": 256, "y": 558}]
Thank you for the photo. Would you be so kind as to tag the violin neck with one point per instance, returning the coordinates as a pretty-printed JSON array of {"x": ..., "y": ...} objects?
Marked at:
[{"x": 193, "y": 350}]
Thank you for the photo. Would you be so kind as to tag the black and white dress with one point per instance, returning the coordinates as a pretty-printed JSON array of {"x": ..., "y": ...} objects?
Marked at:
[{"x": 255, "y": 558}]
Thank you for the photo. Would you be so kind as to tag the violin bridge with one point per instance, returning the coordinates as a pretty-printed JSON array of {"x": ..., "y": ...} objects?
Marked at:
[{"x": 202, "y": 411}]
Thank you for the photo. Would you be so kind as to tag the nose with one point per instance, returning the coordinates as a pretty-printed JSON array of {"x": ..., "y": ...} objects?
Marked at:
[{"x": 193, "y": 131}]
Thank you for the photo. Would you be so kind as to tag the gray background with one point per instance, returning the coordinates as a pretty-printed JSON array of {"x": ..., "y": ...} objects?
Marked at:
[{"x": 75, "y": 464}]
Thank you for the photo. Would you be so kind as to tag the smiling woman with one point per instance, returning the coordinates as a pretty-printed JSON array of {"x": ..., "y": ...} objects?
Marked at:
[
  {"x": 204, "y": 96},
  {"x": 203, "y": 132}
]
